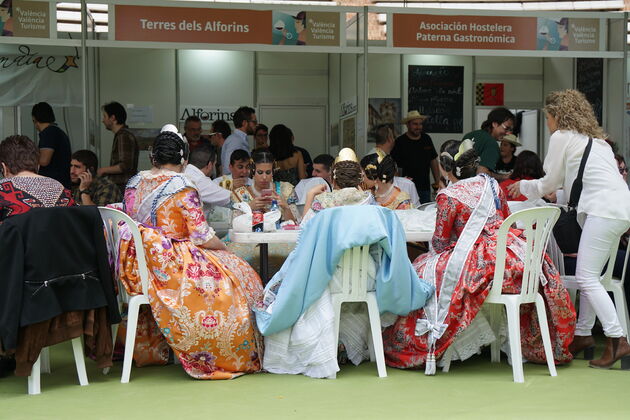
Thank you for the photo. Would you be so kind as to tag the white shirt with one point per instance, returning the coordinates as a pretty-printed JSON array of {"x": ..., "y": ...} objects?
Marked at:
[
  {"x": 303, "y": 187},
  {"x": 604, "y": 192},
  {"x": 235, "y": 141},
  {"x": 209, "y": 192},
  {"x": 409, "y": 187}
]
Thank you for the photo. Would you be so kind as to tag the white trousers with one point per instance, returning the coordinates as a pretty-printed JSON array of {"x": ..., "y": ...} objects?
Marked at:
[{"x": 599, "y": 234}]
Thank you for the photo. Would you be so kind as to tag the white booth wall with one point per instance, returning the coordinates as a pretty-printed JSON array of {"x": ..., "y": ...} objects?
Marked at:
[
  {"x": 304, "y": 90},
  {"x": 290, "y": 88},
  {"x": 142, "y": 77}
]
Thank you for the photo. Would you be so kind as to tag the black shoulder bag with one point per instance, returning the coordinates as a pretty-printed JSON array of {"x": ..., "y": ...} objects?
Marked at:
[{"x": 567, "y": 230}]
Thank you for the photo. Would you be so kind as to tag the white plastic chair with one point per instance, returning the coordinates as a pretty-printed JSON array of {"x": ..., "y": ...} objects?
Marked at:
[
  {"x": 427, "y": 206},
  {"x": 610, "y": 283},
  {"x": 354, "y": 289},
  {"x": 537, "y": 224},
  {"x": 112, "y": 218},
  {"x": 43, "y": 364}
]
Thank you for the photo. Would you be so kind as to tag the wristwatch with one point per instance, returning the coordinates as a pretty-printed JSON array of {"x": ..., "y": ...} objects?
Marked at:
[{"x": 84, "y": 192}]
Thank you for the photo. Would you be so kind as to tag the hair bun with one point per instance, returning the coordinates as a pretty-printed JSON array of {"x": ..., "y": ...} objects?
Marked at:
[
  {"x": 447, "y": 162},
  {"x": 169, "y": 148}
]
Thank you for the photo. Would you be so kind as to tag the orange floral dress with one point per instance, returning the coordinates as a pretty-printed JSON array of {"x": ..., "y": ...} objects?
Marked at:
[{"x": 201, "y": 300}]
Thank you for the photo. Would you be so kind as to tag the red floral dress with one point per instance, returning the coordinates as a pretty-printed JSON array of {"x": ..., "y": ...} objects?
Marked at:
[{"x": 403, "y": 349}]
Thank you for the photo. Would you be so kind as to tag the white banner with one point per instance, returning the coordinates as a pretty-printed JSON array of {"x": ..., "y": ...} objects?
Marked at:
[{"x": 29, "y": 76}]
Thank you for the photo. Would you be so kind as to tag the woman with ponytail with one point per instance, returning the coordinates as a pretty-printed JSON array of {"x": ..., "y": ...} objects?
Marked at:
[
  {"x": 201, "y": 295},
  {"x": 461, "y": 263}
]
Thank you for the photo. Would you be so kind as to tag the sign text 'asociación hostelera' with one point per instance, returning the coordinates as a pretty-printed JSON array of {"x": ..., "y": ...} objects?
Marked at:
[{"x": 495, "y": 32}]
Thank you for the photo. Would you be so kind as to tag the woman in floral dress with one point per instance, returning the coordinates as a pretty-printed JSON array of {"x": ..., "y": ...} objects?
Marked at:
[
  {"x": 259, "y": 196},
  {"x": 264, "y": 189},
  {"x": 470, "y": 211},
  {"x": 201, "y": 295},
  {"x": 380, "y": 170}
]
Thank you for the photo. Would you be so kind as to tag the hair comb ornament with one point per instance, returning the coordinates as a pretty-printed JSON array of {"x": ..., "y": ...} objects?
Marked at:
[
  {"x": 381, "y": 155},
  {"x": 464, "y": 146}
]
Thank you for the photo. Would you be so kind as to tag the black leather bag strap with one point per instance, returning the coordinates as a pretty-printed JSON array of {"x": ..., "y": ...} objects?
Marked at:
[{"x": 576, "y": 189}]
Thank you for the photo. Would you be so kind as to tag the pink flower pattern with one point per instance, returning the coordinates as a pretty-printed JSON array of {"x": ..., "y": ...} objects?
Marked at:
[{"x": 192, "y": 290}]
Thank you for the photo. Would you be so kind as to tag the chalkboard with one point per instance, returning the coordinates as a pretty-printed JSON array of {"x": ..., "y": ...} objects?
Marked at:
[
  {"x": 590, "y": 81},
  {"x": 438, "y": 91}
]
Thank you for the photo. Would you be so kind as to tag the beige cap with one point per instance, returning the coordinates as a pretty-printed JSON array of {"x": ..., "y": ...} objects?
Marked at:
[
  {"x": 413, "y": 115},
  {"x": 512, "y": 139}
]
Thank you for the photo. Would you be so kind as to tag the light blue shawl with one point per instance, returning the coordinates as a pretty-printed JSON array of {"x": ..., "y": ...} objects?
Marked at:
[{"x": 310, "y": 266}]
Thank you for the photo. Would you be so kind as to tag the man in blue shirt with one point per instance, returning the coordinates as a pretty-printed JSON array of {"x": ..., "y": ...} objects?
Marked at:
[
  {"x": 54, "y": 145},
  {"x": 244, "y": 123}
]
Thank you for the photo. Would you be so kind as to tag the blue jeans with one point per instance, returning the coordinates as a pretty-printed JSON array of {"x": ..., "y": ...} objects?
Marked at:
[{"x": 424, "y": 196}]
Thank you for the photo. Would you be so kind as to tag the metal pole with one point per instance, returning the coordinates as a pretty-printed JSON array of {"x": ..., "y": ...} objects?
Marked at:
[
  {"x": 84, "y": 74},
  {"x": 364, "y": 103},
  {"x": 625, "y": 134},
  {"x": 177, "y": 91}
]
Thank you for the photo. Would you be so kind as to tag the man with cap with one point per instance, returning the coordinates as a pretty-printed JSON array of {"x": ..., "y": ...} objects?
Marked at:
[
  {"x": 415, "y": 154},
  {"x": 507, "y": 158}
]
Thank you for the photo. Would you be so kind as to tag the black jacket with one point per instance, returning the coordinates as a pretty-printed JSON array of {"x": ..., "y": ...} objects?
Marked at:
[{"x": 52, "y": 260}]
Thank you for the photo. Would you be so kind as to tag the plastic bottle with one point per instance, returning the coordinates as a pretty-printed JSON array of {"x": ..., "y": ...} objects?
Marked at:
[{"x": 274, "y": 206}]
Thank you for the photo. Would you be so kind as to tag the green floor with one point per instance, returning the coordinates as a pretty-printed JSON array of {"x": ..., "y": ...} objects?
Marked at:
[{"x": 473, "y": 389}]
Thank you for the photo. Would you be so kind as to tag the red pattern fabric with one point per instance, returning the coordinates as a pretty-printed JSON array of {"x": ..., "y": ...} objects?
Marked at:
[
  {"x": 22, "y": 193},
  {"x": 505, "y": 184},
  {"x": 403, "y": 349}
]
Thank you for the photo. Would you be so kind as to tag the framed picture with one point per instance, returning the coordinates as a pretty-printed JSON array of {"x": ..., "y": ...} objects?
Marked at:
[{"x": 348, "y": 127}]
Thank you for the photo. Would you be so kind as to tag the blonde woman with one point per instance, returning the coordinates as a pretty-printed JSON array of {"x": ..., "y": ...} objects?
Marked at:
[{"x": 603, "y": 211}]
